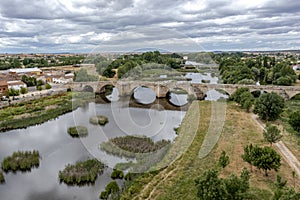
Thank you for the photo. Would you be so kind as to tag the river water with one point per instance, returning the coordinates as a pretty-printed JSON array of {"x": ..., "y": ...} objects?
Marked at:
[{"x": 58, "y": 149}]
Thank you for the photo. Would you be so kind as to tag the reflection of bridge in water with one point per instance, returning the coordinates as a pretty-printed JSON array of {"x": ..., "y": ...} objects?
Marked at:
[
  {"x": 158, "y": 103},
  {"x": 161, "y": 88}
]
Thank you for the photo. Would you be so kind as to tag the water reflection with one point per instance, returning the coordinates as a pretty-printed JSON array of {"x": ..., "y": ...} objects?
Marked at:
[
  {"x": 57, "y": 148},
  {"x": 144, "y": 95}
]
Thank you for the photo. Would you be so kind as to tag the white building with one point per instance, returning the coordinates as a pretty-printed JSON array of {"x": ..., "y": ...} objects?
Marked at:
[{"x": 16, "y": 85}]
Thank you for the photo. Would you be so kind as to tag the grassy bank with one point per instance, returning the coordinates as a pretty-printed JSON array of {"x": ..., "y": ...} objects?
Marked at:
[
  {"x": 176, "y": 181},
  {"x": 35, "y": 112}
]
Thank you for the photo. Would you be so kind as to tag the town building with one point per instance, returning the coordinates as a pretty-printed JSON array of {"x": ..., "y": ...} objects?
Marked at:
[
  {"x": 26, "y": 71},
  {"x": 16, "y": 85},
  {"x": 3, "y": 88}
]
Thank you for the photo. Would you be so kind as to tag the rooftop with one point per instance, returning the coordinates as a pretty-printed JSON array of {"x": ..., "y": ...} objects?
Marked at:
[{"x": 25, "y": 70}]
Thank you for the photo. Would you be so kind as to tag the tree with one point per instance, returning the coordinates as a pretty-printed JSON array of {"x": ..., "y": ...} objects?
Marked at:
[
  {"x": 48, "y": 86},
  {"x": 269, "y": 106},
  {"x": 267, "y": 159},
  {"x": 13, "y": 92},
  {"x": 247, "y": 100},
  {"x": 236, "y": 96},
  {"x": 249, "y": 154},
  {"x": 223, "y": 159},
  {"x": 210, "y": 187},
  {"x": 117, "y": 174},
  {"x": 294, "y": 121},
  {"x": 23, "y": 90},
  {"x": 272, "y": 134},
  {"x": 39, "y": 88}
]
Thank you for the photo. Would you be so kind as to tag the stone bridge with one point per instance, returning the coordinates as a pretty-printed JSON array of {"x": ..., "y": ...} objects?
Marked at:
[{"x": 161, "y": 88}]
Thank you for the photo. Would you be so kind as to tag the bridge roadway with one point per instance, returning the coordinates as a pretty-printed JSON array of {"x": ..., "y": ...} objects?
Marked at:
[{"x": 161, "y": 88}]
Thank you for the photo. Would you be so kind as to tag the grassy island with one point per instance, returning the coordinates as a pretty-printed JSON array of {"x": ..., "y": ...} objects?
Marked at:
[
  {"x": 23, "y": 115},
  {"x": 78, "y": 131},
  {"x": 100, "y": 119},
  {"x": 82, "y": 172},
  {"x": 2, "y": 180},
  {"x": 21, "y": 160},
  {"x": 128, "y": 146}
]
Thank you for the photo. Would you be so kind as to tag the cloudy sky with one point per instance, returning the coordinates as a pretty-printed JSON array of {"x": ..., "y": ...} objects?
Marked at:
[{"x": 126, "y": 25}]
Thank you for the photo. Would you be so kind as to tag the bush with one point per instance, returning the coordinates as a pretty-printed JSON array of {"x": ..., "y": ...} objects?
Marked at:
[
  {"x": 21, "y": 160},
  {"x": 112, "y": 187},
  {"x": 82, "y": 172},
  {"x": 48, "y": 86},
  {"x": 39, "y": 88},
  {"x": 2, "y": 179},
  {"x": 78, "y": 131},
  {"x": 117, "y": 174},
  {"x": 294, "y": 121},
  {"x": 104, "y": 195},
  {"x": 100, "y": 119}
]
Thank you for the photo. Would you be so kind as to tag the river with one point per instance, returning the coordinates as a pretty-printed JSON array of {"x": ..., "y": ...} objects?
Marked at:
[{"x": 58, "y": 149}]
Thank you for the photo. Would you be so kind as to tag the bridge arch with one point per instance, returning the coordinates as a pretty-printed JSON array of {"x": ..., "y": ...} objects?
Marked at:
[
  {"x": 88, "y": 88},
  {"x": 295, "y": 97},
  {"x": 143, "y": 94},
  {"x": 177, "y": 96},
  {"x": 109, "y": 92}
]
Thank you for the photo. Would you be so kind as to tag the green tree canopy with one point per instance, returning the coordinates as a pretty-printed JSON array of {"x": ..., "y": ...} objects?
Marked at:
[
  {"x": 269, "y": 106},
  {"x": 272, "y": 134}
]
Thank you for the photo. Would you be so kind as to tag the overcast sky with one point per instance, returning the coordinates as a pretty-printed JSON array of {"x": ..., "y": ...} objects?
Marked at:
[{"x": 126, "y": 25}]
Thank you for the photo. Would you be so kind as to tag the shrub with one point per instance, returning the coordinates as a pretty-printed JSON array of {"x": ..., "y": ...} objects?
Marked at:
[
  {"x": 78, "y": 131},
  {"x": 82, "y": 172},
  {"x": 294, "y": 121},
  {"x": 21, "y": 160},
  {"x": 100, "y": 119},
  {"x": 117, "y": 174},
  {"x": 48, "y": 86},
  {"x": 2, "y": 179}
]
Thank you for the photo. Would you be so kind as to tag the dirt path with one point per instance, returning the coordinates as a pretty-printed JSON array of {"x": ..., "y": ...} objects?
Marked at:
[{"x": 286, "y": 153}]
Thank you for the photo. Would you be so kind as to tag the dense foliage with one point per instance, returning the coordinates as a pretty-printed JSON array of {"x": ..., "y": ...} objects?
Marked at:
[
  {"x": 21, "y": 160},
  {"x": 294, "y": 121},
  {"x": 110, "y": 189},
  {"x": 239, "y": 68},
  {"x": 126, "y": 63},
  {"x": 78, "y": 131},
  {"x": 117, "y": 174},
  {"x": 211, "y": 187},
  {"x": 269, "y": 106},
  {"x": 82, "y": 75},
  {"x": 100, "y": 119},
  {"x": 82, "y": 172},
  {"x": 264, "y": 158},
  {"x": 244, "y": 97}
]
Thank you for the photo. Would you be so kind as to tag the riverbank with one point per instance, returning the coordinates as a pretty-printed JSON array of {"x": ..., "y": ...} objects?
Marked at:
[
  {"x": 23, "y": 115},
  {"x": 176, "y": 181}
]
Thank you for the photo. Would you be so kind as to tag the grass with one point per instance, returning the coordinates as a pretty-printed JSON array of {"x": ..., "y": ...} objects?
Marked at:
[
  {"x": 129, "y": 146},
  {"x": 78, "y": 131},
  {"x": 35, "y": 112},
  {"x": 82, "y": 172},
  {"x": 176, "y": 181},
  {"x": 21, "y": 160}
]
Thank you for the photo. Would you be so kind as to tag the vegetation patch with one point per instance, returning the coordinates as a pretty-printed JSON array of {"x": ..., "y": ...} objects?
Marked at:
[
  {"x": 82, "y": 172},
  {"x": 100, "y": 119},
  {"x": 78, "y": 131},
  {"x": 36, "y": 112},
  {"x": 2, "y": 179},
  {"x": 21, "y": 160},
  {"x": 128, "y": 146}
]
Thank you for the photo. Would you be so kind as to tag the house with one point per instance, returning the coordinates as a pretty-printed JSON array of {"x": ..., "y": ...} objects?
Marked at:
[
  {"x": 3, "y": 88},
  {"x": 296, "y": 67},
  {"x": 16, "y": 85},
  {"x": 26, "y": 71}
]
